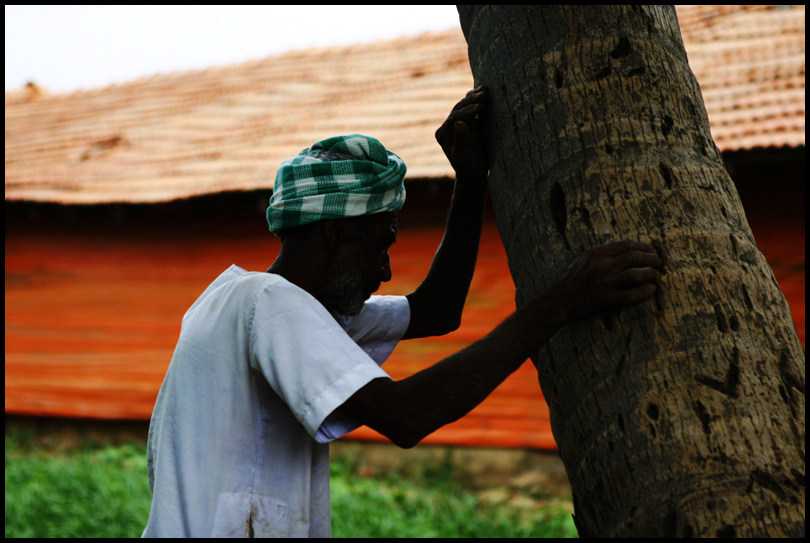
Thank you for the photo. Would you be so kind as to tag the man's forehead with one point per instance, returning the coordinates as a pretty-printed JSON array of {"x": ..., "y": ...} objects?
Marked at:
[
  {"x": 377, "y": 225},
  {"x": 385, "y": 222}
]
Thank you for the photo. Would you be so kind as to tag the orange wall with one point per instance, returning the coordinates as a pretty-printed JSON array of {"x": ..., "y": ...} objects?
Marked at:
[
  {"x": 92, "y": 317},
  {"x": 92, "y": 320}
]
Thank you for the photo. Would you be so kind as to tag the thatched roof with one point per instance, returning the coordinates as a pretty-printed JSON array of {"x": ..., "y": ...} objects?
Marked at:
[{"x": 179, "y": 135}]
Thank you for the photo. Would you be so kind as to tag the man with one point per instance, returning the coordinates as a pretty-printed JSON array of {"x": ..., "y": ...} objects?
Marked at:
[{"x": 271, "y": 366}]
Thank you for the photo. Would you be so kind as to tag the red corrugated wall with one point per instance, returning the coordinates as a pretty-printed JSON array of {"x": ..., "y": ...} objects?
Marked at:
[{"x": 92, "y": 317}]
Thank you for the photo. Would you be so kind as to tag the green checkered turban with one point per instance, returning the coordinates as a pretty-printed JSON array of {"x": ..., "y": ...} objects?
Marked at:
[{"x": 344, "y": 176}]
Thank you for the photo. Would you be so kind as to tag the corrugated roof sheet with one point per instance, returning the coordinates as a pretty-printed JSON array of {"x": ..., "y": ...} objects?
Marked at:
[{"x": 178, "y": 135}]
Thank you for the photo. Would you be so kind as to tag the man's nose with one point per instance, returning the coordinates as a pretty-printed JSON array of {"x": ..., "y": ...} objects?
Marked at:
[{"x": 385, "y": 270}]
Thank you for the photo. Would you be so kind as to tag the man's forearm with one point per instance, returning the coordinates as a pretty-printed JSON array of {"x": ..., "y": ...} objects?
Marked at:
[
  {"x": 445, "y": 288},
  {"x": 454, "y": 263},
  {"x": 417, "y": 406}
]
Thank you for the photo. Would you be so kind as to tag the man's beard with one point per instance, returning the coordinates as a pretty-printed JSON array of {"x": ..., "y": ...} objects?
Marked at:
[{"x": 347, "y": 292}]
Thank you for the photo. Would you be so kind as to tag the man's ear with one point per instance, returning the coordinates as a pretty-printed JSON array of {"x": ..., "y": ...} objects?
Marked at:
[{"x": 334, "y": 234}]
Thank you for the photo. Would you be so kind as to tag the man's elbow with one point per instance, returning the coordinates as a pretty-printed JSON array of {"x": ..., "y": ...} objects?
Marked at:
[
  {"x": 448, "y": 325},
  {"x": 403, "y": 429},
  {"x": 409, "y": 433},
  {"x": 406, "y": 442},
  {"x": 402, "y": 433},
  {"x": 437, "y": 313}
]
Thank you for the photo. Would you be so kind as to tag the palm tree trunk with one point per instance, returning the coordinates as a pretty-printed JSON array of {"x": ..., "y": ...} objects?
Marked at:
[{"x": 684, "y": 415}]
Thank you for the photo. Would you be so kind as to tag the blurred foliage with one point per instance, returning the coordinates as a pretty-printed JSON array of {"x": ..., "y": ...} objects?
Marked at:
[
  {"x": 434, "y": 499},
  {"x": 90, "y": 489}
]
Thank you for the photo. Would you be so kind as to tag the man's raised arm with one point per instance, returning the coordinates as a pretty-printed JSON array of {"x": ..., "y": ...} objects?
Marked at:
[{"x": 437, "y": 303}]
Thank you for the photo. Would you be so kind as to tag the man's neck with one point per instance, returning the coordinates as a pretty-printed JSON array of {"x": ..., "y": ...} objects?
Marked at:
[{"x": 302, "y": 267}]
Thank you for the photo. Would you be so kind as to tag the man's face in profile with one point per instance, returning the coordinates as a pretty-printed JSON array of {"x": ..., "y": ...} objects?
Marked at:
[{"x": 361, "y": 263}]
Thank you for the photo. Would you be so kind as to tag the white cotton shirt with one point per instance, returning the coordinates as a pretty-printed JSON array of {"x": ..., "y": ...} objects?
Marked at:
[{"x": 238, "y": 441}]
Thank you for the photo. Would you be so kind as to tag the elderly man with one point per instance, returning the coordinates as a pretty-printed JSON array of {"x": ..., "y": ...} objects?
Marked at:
[{"x": 272, "y": 366}]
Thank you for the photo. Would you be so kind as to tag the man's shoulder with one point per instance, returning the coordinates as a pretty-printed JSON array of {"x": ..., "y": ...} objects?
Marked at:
[
  {"x": 253, "y": 280},
  {"x": 238, "y": 287},
  {"x": 277, "y": 294},
  {"x": 270, "y": 288}
]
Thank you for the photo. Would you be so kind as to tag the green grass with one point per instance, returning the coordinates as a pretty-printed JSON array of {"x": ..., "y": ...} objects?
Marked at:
[
  {"x": 101, "y": 490},
  {"x": 436, "y": 499},
  {"x": 88, "y": 492}
]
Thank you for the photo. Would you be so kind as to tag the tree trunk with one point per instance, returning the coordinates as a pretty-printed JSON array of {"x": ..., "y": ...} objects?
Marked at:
[{"x": 683, "y": 415}]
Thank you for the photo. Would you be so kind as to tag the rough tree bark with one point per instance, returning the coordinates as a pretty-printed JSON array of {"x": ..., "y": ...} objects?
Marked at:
[{"x": 684, "y": 415}]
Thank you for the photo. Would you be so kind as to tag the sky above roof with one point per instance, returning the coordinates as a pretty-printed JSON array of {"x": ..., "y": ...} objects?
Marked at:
[{"x": 66, "y": 48}]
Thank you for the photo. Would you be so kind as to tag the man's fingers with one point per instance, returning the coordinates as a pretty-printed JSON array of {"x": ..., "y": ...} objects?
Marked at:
[
  {"x": 619, "y": 247},
  {"x": 461, "y": 132},
  {"x": 639, "y": 294},
  {"x": 635, "y": 276},
  {"x": 466, "y": 113},
  {"x": 472, "y": 98},
  {"x": 631, "y": 253},
  {"x": 476, "y": 94},
  {"x": 465, "y": 110},
  {"x": 633, "y": 295},
  {"x": 640, "y": 259}
]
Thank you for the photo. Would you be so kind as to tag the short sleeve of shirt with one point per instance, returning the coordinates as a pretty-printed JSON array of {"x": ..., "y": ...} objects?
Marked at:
[
  {"x": 379, "y": 326},
  {"x": 308, "y": 360},
  {"x": 377, "y": 330}
]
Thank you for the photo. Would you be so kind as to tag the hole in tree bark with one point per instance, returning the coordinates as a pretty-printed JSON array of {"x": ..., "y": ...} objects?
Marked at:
[
  {"x": 608, "y": 317},
  {"x": 622, "y": 49},
  {"x": 732, "y": 380},
  {"x": 666, "y": 173},
  {"x": 652, "y": 411},
  {"x": 705, "y": 418},
  {"x": 603, "y": 73},
  {"x": 747, "y": 299},
  {"x": 558, "y": 210},
  {"x": 691, "y": 106},
  {"x": 787, "y": 376},
  {"x": 586, "y": 219},
  {"x": 783, "y": 393},
  {"x": 734, "y": 323},
  {"x": 727, "y": 531},
  {"x": 620, "y": 365},
  {"x": 734, "y": 246},
  {"x": 722, "y": 324},
  {"x": 670, "y": 522},
  {"x": 666, "y": 126}
]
